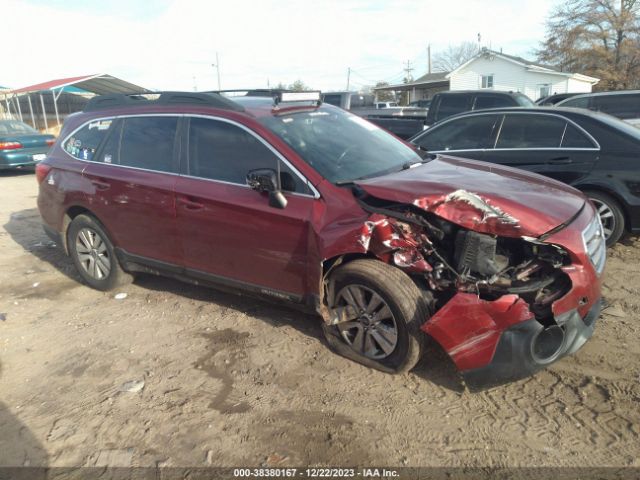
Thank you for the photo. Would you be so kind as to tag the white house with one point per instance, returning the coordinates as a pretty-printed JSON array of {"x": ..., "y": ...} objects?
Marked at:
[{"x": 498, "y": 71}]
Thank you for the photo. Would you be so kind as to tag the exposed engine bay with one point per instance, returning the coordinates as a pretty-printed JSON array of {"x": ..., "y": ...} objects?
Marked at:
[{"x": 450, "y": 259}]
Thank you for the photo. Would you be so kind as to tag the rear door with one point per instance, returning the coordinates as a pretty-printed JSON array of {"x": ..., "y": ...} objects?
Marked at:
[
  {"x": 466, "y": 136},
  {"x": 133, "y": 176},
  {"x": 546, "y": 144},
  {"x": 228, "y": 232}
]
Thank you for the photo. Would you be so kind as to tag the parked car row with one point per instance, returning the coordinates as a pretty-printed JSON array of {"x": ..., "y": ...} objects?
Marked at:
[
  {"x": 22, "y": 146},
  {"x": 593, "y": 152}
]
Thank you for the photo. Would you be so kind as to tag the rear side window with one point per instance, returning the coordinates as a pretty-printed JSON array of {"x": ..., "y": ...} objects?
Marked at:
[
  {"x": 492, "y": 101},
  {"x": 621, "y": 106},
  {"x": 148, "y": 142},
  {"x": 84, "y": 143},
  {"x": 531, "y": 131},
  {"x": 469, "y": 133},
  {"x": 222, "y": 151},
  {"x": 574, "y": 138},
  {"x": 452, "y": 104}
]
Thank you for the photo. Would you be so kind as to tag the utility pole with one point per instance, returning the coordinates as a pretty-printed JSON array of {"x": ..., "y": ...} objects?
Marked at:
[
  {"x": 217, "y": 67},
  {"x": 348, "y": 77},
  {"x": 409, "y": 69},
  {"x": 429, "y": 58},
  {"x": 195, "y": 85}
]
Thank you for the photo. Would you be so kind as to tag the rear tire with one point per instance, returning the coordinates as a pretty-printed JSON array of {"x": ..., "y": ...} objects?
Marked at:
[
  {"x": 611, "y": 215},
  {"x": 387, "y": 334},
  {"x": 93, "y": 254}
]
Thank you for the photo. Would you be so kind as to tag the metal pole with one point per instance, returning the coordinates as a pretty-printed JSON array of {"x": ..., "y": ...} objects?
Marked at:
[
  {"x": 17, "y": 97},
  {"x": 44, "y": 112},
  {"x": 429, "y": 56},
  {"x": 55, "y": 105},
  {"x": 33, "y": 118},
  {"x": 348, "y": 77},
  {"x": 6, "y": 100},
  {"x": 218, "y": 70}
]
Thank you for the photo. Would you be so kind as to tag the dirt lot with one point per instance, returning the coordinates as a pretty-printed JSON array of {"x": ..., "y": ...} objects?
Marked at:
[{"x": 232, "y": 381}]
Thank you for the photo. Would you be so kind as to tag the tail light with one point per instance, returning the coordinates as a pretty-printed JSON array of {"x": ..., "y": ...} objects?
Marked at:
[
  {"x": 50, "y": 142},
  {"x": 10, "y": 145},
  {"x": 42, "y": 170}
]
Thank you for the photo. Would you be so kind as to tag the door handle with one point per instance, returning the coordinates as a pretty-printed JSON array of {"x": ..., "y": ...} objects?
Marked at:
[
  {"x": 561, "y": 160},
  {"x": 100, "y": 185},
  {"x": 190, "y": 204}
]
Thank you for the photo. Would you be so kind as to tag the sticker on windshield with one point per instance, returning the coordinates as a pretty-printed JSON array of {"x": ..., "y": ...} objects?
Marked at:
[{"x": 363, "y": 123}]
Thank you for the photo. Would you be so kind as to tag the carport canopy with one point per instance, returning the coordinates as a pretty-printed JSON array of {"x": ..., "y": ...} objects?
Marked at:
[{"x": 99, "y": 84}]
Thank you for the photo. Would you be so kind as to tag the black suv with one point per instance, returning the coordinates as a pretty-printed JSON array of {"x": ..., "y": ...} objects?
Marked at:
[{"x": 446, "y": 104}]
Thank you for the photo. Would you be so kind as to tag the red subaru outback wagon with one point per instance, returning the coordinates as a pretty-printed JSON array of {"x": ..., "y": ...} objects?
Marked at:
[{"x": 283, "y": 196}]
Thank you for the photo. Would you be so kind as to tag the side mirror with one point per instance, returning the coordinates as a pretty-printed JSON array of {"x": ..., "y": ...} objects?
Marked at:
[{"x": 266, "y": 180}]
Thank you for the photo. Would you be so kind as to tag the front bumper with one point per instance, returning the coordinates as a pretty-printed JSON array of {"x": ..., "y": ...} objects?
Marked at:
[{"x": 515, "y": 356}]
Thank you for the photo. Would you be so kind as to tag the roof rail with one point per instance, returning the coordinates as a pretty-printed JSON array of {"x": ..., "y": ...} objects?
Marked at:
[{"x": 211, "y": 99}]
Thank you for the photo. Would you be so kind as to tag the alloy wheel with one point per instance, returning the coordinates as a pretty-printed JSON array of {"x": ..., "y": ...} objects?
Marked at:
[
  {"x": 374, "y": 333},
  {"x": 93, "y": 254},
  {"x": 607, "y": 218}
]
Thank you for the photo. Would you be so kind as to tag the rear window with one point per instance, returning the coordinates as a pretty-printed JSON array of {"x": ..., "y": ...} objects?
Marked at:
[
  {"x": 492, "y": 101},
  {"x": 620, "y": 105},
  {"x": 84, "y": 143},
  {"x": 452, "y": 104},
  {"x": 12, "y": 127},
  {"x": 531, "y": 131},
  {"x": 574, "y": 138},
  {"x": 147, "y": 142},
  {"x": 579, "y": 102}
]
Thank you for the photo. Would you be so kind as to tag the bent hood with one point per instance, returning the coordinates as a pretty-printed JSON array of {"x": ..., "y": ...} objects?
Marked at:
[{"x": 481, "y": 196}]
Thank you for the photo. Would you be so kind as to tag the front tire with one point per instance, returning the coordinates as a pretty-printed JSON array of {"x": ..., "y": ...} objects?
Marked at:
[
  {"x": 93, "y": 254},
  {"x": 391, "y": 309},
  {"x": 610, "y": 214}
]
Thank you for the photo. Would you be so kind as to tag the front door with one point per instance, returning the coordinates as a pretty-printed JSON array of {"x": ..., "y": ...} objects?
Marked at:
[{"x": 229, "y": 233}]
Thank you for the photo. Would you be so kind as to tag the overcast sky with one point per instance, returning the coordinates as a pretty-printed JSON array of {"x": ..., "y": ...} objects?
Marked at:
[{"x": 171, "y": 44}]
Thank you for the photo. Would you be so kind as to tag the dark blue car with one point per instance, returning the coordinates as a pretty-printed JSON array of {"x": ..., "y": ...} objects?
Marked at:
[{"x": 21, "y": 145}]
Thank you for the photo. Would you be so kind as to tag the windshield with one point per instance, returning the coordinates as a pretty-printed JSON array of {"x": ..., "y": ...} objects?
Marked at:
[
  {"x": 524, "y": 101},
  {"x": 15, "y": 128},
  {"x": 341, "y": 146}
]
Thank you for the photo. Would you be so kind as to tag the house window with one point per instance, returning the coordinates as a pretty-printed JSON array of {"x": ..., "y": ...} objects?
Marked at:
[
  {"x": 544, "y": 90},
  {"x": 487, "y": 81}
]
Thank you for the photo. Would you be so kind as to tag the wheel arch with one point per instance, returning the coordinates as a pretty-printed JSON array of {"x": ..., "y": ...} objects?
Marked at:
[
  {"x": 584, "y": 187},
  {"x": 71, "y": 213}
]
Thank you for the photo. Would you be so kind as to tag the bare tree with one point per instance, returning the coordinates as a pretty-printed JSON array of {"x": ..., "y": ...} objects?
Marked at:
[
  {"x": 454, "y": 56},
  {"x": 384, "y": 95},
  {"x": 600, "y": 38}
]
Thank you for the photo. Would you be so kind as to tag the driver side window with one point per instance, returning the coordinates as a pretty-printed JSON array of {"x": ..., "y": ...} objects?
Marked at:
[{"x": 222, "y": 151}]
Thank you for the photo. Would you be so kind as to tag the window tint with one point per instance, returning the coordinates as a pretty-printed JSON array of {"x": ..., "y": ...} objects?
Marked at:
[
  {"x": 531, "y": 131},
  {"x": 147, "y": 142},
  {"x": 461, "y": 134},
  {"x": 110, "y": 151},
  {"x": 621, "y": 106},
  {"x": 580, "y": 102},
  {"x": 15, "y": 127},
  {"x": 452, "y": 104},
  {"x": 222, "y": 151},
  {"x": 574, "y": 138},
  {"x": 84, "y": 143},
  {"x": 492, "y": 101}
]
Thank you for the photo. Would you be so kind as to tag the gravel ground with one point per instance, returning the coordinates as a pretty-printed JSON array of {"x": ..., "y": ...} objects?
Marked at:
[{"x": 179, "y": 375}]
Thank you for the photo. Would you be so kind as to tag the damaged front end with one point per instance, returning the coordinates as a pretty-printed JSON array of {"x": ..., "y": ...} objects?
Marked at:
[{"x": 506, "y": 303}]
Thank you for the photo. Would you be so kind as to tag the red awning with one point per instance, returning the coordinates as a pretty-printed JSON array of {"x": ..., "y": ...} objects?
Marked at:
[{"x": 100, "y": 84}]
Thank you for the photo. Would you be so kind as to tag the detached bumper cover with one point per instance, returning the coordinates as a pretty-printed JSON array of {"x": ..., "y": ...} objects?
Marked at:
[{"x": 514, "y": 358}]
